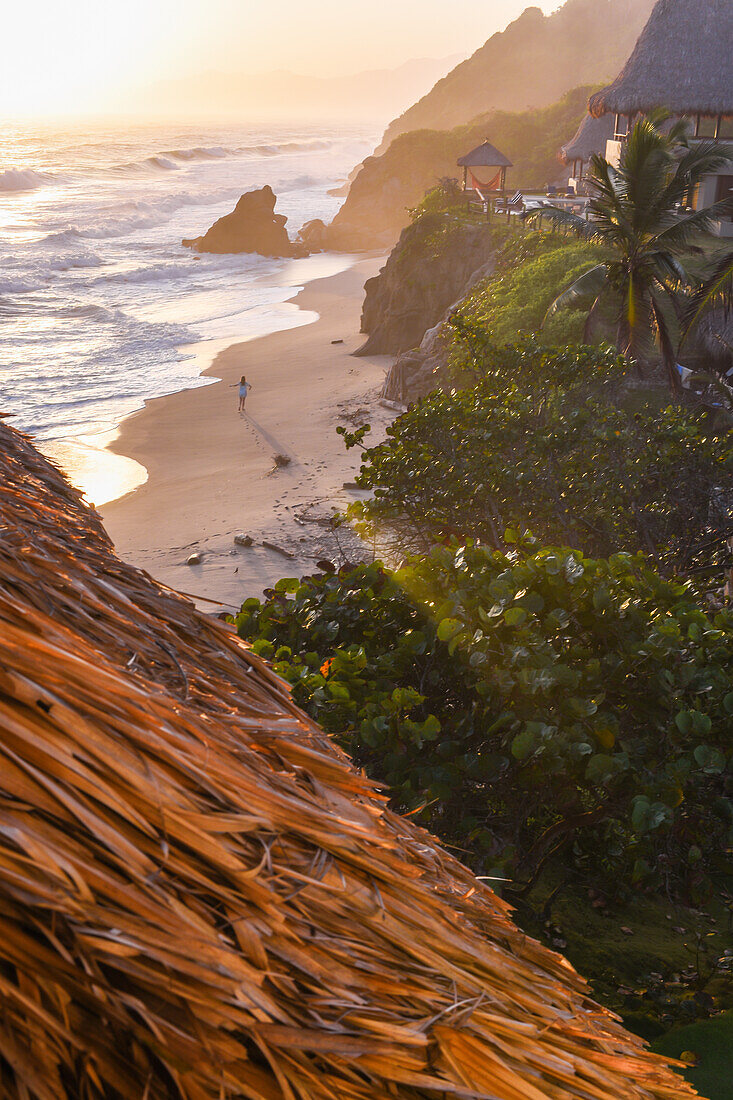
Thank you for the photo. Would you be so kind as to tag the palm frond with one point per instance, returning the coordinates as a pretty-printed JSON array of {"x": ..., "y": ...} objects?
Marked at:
[
  {"x": 584, "y": 290},
  {"x": 679, "y": 234},
  {"x": 561, "y": 219},
  {"x": 717, "y": 287}
]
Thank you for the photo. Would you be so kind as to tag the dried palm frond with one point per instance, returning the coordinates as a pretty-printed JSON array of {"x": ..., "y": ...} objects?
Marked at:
[{"x": 200, "y": 898}]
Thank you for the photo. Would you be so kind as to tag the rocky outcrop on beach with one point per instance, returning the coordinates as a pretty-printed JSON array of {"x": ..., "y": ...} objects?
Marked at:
[
  {"x": 420, "y": 371},
  {"x": 432, "y": 266},
  {"x": 253, "y": 226},
  {"x": 314, "y": 235}
]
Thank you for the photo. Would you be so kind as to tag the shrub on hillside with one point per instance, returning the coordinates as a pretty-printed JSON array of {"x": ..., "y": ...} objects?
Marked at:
[
  {"x": 532, "y": 707},
  {"x": 545, "y": 441},
  {"x": 515, "y": 300}
]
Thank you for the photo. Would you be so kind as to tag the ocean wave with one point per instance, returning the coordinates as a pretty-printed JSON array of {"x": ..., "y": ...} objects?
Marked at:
[
  {"x": 304, "y": 146},
  {"x": 277, "y": 149},
  {"x": 93, "y": 312},
  {"x": 127, "y": 217},
  {"x": 162, "y": 163},
  {"x": 168, "y": 160},
  {"x": 153, "y": 273},
  {"x": 118, "y": 223},
  {"x": 165, "y": 161},
  {"x": 215, "y": 152},
  {"x": 14, "y": 285},
  {"x": 24, "y": 179},
  {"x": 300, "y": 183}
]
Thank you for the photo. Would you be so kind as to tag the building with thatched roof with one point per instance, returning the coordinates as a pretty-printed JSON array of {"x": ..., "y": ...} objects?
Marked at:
[
  {"x": 591, "y": 137},
  {"x": 201, "y": 899},
  {"x": 484, "y": 170},
  {"x": 682, "y": 61}
]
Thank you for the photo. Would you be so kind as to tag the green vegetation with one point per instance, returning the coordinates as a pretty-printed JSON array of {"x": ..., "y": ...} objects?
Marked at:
[
  {"x": 635, "y": 214},
  {"x": 707, "y": 1046},
  {"x": 516, "y": 299},
  {"x": 388, "y": 186},
  {"x": 543, "y": 441},
  {"x": 478, "y": 684}
]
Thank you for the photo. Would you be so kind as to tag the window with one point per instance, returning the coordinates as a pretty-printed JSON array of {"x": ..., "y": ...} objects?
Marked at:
[
  {"x": 706, "y": 127},
  {"x": 725, "y": 191},
  {"x": 726, "y": 128}
]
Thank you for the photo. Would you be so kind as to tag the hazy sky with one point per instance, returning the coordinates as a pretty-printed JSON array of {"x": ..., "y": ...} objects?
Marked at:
[{"x": 63, "y": 56}]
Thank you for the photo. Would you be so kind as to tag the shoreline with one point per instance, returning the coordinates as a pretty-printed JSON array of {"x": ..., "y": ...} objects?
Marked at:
[
  {"x": 211, "y": 472},
  {"x": 88, "y": 459}
]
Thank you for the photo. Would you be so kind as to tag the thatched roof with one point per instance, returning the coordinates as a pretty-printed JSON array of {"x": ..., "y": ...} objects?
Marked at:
[
  {"x": 484, "y": 156},
  {"x": 201, "y": 899},
  {"x": 682, "y": 61},
  {"x": 590, "y": 137}
]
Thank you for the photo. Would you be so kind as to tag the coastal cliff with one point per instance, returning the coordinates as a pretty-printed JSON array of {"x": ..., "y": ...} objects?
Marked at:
[
  {"x": 449, "y": 263},
  {"x": 429, "y": 269}
]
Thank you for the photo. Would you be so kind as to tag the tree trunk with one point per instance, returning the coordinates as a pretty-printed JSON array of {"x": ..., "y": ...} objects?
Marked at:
[
  {"x": 668, "y": 355},
  {"x": 625, "y": 344}
]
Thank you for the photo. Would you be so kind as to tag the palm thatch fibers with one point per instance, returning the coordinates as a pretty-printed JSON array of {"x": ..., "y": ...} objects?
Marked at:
[
  {"x": 683, "y": 61},
  {"x": 201, "y": 899}
]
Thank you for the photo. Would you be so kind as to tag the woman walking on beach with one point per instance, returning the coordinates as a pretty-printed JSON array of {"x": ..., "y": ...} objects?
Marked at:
[{"x": 244, "y": 388}]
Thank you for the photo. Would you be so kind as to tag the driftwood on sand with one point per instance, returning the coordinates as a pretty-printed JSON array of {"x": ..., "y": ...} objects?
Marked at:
[{"x": 201, "y": 899}]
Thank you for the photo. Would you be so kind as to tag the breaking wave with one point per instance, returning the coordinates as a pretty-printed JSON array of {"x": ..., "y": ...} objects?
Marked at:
[{"x": 24, "y": 179}]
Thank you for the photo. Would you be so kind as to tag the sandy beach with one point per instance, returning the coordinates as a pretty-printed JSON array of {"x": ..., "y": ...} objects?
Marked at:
[{"x": 211, "y": 471}]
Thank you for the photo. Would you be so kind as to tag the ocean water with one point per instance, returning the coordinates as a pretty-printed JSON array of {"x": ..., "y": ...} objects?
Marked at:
[{"x": 100, "y": 305}]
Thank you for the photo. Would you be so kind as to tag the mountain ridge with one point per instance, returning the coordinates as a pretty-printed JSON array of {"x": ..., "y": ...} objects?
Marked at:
[{"x": 532, "y": 63}]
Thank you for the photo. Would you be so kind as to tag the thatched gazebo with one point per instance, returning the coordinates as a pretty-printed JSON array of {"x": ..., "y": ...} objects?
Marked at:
[
  {"x": 484, "y": 170},
  {"x": 591, "y": 137},
  {"x": 681, "y": 61},
  {"x": 201, "y": 899}
]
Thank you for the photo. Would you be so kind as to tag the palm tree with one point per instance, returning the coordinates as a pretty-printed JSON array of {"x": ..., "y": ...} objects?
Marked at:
[{"x": 637, "y": 212}]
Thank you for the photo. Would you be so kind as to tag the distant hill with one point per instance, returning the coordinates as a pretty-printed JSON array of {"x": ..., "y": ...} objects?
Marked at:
[
  {"x": 376, "y": 209},
  {"x": 531, "y": 64},
  {"x": 369, "y": 96}
]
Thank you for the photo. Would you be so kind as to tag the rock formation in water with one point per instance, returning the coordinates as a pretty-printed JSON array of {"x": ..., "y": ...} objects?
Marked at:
[
  {"x": 429, "y": 269},
  {"x": 253, "y": 226},
  {"x": 314, "y": 235}
]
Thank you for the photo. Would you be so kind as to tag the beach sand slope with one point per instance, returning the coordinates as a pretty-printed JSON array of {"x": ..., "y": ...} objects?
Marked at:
[{"x": 211, "y": 471}]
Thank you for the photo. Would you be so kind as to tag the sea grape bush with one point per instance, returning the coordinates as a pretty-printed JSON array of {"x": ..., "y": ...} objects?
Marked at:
[
  {"x": 534, "y": 707},
  {"x": 546, "y": 440}
]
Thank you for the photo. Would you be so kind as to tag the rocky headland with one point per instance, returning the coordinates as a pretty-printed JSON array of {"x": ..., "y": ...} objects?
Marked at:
[
  {"x": 253, "y": 226},
  {"x": 435, "y": 264}
]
